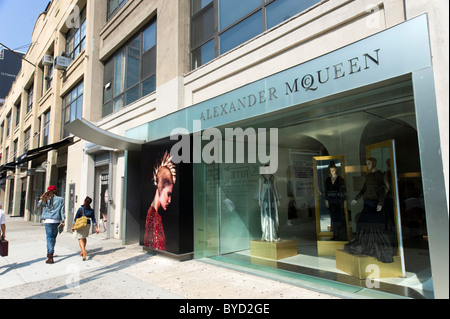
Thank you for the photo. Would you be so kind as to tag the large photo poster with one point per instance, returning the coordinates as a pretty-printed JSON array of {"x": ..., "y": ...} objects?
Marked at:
[{"x": 166, "y": 200}]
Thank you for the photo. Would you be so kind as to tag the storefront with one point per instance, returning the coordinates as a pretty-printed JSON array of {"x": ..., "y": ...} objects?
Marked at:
[{"x": 253, "y": 170}]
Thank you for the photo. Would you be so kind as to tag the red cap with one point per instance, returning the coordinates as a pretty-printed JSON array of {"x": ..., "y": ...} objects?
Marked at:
[{"x": 51, "y": 188}]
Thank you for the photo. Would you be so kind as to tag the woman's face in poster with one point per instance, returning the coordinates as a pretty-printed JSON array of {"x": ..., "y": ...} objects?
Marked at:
[
  {"x": 165, "y": 197},
  {"x": 333, "y": 171}
]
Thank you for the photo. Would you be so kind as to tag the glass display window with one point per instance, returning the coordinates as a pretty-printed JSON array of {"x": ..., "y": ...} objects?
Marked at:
[{"x": 369, "y": 135}]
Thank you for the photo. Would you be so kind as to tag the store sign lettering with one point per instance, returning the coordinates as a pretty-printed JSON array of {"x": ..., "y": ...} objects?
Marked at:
[{"x": 308, "y": 82}]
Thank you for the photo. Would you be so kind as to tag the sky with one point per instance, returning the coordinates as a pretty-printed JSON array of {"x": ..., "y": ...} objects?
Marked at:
[{"x": 17, "y": 20}]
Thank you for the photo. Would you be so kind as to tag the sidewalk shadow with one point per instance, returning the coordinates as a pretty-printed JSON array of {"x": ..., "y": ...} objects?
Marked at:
[
  {"x": 15, "y": 266},
  {"x": 58, "y": 292},
  {"x": 58, "y": 258},
  {"x": 10, "y": 267}
]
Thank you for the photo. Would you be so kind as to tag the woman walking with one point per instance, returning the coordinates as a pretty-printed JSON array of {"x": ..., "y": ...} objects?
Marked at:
[
  {"x": 54, "y": 217},
  {"x": 83, "y": 234}
]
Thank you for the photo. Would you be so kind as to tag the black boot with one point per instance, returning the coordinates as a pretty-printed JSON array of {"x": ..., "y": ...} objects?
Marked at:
[{"x": 49, "y": 259}]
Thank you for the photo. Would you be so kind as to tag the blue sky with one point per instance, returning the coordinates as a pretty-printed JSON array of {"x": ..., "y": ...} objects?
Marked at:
[{"x": 17, "y": 19}]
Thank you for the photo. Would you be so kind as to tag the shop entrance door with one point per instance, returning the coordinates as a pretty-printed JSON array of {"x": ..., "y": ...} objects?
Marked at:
[
  {"x": 71, "y": 206},
  {"x": 102, "y": 199}
]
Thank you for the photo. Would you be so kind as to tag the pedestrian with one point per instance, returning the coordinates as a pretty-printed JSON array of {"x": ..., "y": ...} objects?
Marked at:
[
  {"x": 53, "y": 216},
  {"x": 83, "y": 234},
  {"x": 2, "y": 223}
]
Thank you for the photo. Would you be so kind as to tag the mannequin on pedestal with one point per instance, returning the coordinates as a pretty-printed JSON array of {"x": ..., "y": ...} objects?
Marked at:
[
  {"x": 372, "y": 238},
  {"x": 269, "y": 201},
  {"x": 335, "y": 201}
]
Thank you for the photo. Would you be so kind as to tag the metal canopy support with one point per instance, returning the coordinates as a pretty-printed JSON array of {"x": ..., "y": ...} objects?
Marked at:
[{"x": 89, "y": 132}]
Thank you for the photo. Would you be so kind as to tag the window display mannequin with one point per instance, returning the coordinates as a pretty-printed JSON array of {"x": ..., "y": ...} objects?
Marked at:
[
  {"x": 388, "y": 206},
  {"x": 372, "y": 238},
  {"x": 292, "y": 205},
  {"x": 335, "y": 201},
  {"x": 269, "y": 201}
]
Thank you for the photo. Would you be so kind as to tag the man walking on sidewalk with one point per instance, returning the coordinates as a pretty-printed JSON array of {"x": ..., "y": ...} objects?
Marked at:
[{"x": 54, "y": 216}]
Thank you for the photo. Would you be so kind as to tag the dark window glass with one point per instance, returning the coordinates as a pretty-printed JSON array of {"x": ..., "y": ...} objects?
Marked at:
[
  {"x": 132, "y": 95},
  {"x": 76, "y": 36},
  {"x": 114, "y": 6},
  {"x": 231, "y": 11},
  {"x": 30, "y": 98},
  {"x": 149, "y": 63},
  {"x": 148, "y": 86},
  {"x": 133, "y": 63},
  {"x": 221, "y": 25},
  {"x": 241, "y": 32},
  {"x": 202, "y": 27},
  {"x": 106, "y": 109},
  {"x": 281, "y": 10},
  {"x": 149, "y": 37},
  {"x": 197, "y": 5},
  {"x": 26, "y": 145},
  {"x": 203, "y": 54},
  {"x": 46, "y": 128},
  {"x": 72, "y": 106},
  {"x": 126, "y": 74},
  {"x": 18, "y": 114}
]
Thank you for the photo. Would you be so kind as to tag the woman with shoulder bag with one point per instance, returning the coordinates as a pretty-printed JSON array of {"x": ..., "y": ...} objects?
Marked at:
[{"x": 83, "y": 233}]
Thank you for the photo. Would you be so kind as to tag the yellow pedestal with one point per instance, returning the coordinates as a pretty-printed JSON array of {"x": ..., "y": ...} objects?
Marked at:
[
  {"x": 362, "y": 266},
  {"x": 276, "y": 250},
  {"x": 329, "y": 247}
]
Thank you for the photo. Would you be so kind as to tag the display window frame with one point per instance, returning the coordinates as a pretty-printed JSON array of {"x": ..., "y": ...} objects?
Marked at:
[{"x": 217, "y": 223}]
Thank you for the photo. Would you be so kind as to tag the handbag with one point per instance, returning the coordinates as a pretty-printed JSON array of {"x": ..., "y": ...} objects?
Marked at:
[
  {"x": 80, "y": 223},
  {"x": 3, "y": 247}
]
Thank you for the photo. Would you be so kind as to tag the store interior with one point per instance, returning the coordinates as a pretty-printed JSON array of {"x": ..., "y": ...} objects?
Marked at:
[{"x": 345, "y": 128}]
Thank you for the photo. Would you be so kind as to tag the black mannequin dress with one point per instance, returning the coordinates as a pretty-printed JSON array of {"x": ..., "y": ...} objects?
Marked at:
[{"x": 373, "y": 236}]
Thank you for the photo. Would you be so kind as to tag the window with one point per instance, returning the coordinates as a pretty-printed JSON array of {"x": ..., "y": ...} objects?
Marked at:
[
  {"x": 114, "y": 6},
  {"x": 14, "y": 150},
  {"x": 131, "y": 73},
  {"x": 27, "y": 136},
  {"x": 72, "y": 106},
  {"x": 18, "y": 114},
  {"x": 49, "y": 76},
  {"x": 8, "y": 124},
  {"x": 76, "y": 37},
  {"x": 30, "y": 99},
  {"x": 39, "y": 132},
  {"x": 218, "y": 26},
  {"x": 2, "y": 128},
  {"x": 46, "y": 129}
]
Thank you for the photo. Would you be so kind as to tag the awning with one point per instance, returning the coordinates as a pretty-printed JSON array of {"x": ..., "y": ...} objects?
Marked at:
[
  {"x": 33, "y": 154},
  {"x": 37, "y": 152},
  {"x": 89, "y": 132},
  {"x": 5, "y": 167}
]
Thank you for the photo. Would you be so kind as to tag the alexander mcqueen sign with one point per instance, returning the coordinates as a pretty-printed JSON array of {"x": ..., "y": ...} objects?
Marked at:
[{"x": 311, "y": 81}]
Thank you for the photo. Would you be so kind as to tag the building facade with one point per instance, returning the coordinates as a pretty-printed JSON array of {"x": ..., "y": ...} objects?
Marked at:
[{"x": 255, "y": 101}]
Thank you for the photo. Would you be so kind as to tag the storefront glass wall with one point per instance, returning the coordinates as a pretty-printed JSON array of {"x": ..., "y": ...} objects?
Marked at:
[{"x": 345, "y": 129}]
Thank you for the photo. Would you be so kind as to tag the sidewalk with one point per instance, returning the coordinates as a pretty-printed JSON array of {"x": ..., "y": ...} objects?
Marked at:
[{"x": 115, "y": 271}]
